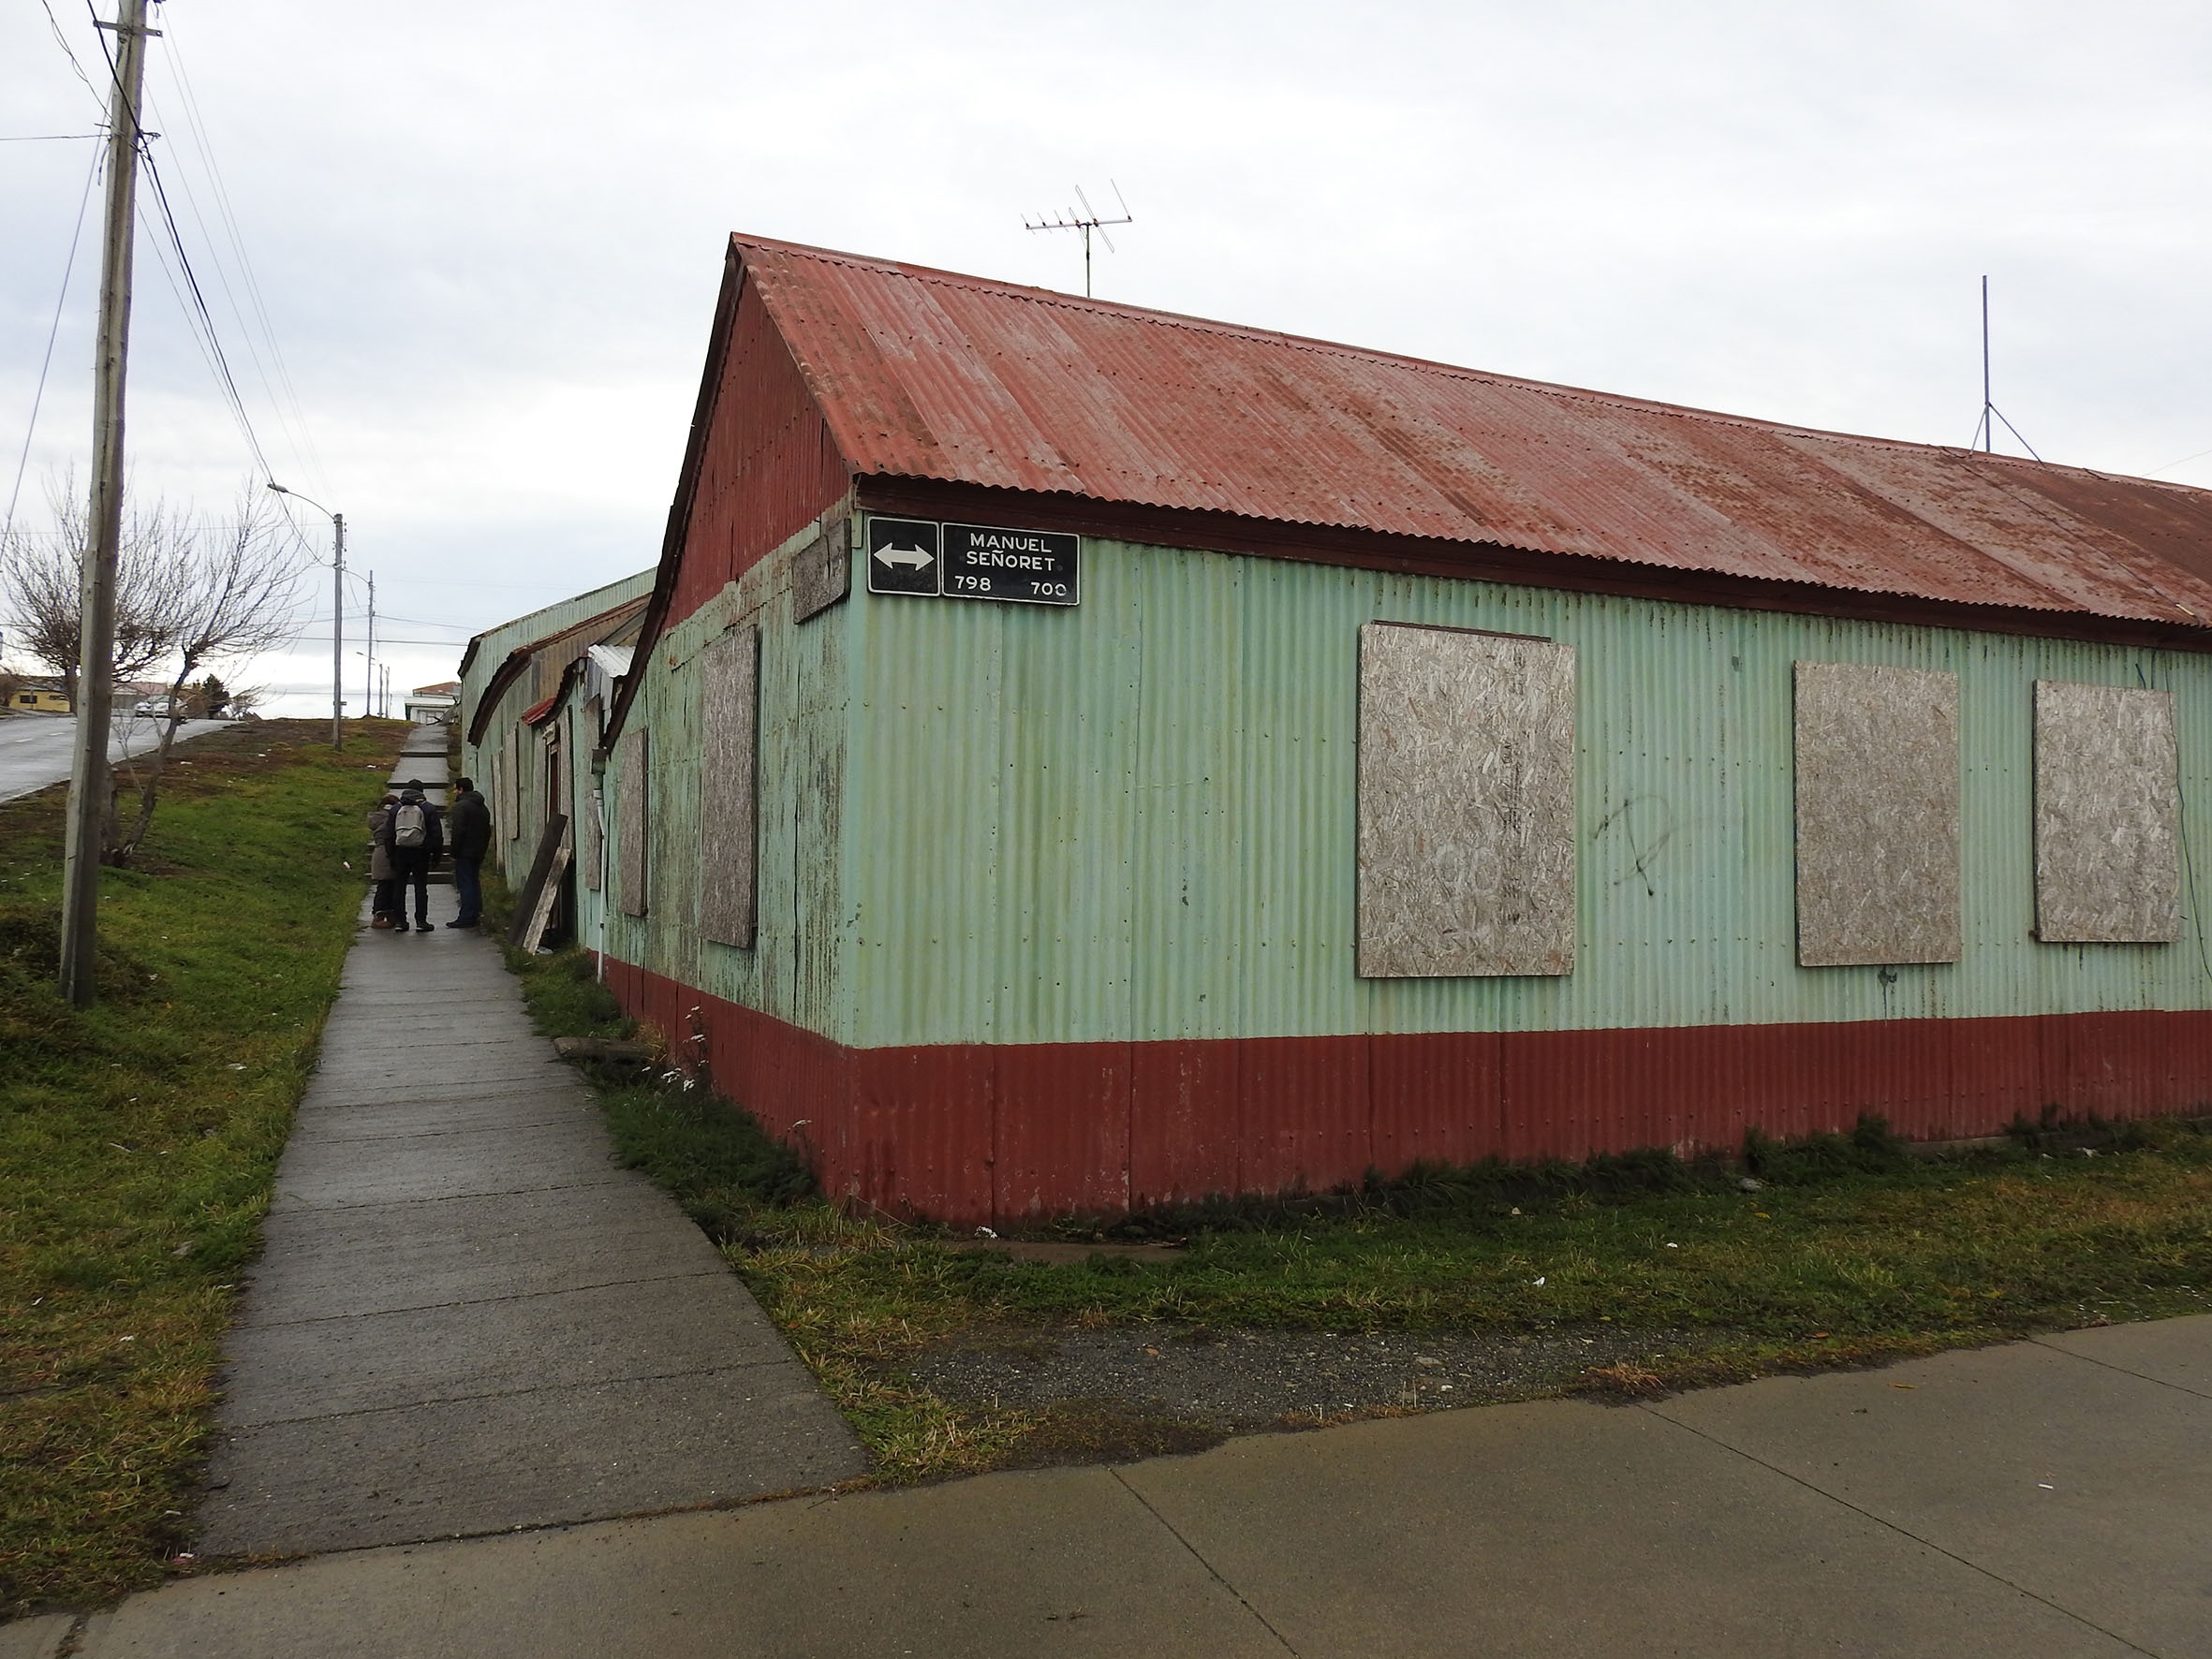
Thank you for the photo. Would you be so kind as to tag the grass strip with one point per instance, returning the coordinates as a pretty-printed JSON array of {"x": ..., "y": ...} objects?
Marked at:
[
  {"x": 139, "y": 1138},
  {"x": 1834, "y": 1251}
]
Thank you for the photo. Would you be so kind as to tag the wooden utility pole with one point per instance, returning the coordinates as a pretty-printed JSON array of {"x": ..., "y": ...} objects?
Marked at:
[
  {"x": 89, "y": 787},
  {"x": 337, "y": 632}
]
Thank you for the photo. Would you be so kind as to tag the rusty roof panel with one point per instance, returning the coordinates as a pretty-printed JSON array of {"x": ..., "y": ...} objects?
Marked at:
[{"x": 928, "y": 374}]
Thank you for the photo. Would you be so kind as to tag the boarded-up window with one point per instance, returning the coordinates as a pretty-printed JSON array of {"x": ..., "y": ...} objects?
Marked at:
[
  {"x": 512, "y": 754},
  {"x": 1466, "y": 803},
  {"x": 823, "y": 570},
  {"x": 587, "y": 837},
  {"x": 729, "y": 683},
  {"x": 2107, "y": 815},
  {"x": 587, "y": 829},
  {"x": 630, "y": 827},
  {"x": 1876, "y": 816}
]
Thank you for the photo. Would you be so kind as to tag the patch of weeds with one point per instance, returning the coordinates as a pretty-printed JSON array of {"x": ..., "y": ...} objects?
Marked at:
[
  {"x": 2053, "y": 1132},
  {"x": 715, "y": 1158},
  {"x": 563, "y": 993},
  {"x": 1869, "y": 1149}
]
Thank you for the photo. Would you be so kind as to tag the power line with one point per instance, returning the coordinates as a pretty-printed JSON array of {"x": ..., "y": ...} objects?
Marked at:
[
  {"x": 222, "y": 361},
  {"x": 197, "y": 316},
  {"x": 68, "y": 51},
  {"x": 38, "y": 397},
  {"x": 299, "y": 437}
]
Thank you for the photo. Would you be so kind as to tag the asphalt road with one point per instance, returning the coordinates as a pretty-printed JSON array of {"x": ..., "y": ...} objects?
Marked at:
[{"x": 35, "y": 748}]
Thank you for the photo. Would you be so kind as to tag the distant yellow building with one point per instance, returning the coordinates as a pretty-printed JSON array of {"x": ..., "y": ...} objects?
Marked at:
[{"x": 39, "y": 699}]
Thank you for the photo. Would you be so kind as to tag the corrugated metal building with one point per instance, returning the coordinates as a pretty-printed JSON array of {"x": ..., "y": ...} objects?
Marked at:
[
  {"x": 509, "y": 677},
  {"x": 1393, "y": 761}
]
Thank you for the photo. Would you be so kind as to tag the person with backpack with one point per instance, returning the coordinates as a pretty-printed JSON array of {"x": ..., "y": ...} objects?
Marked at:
[{"x": 416, "y": 837}]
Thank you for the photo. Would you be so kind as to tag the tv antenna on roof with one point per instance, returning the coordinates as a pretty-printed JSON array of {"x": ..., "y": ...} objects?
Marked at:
[
  {"x": 1986, "y": 428},
  {"x": 1086, "y": 222}
]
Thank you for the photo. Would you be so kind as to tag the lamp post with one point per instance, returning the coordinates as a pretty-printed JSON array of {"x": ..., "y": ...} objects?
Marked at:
[{"x": 337, "y": 611}]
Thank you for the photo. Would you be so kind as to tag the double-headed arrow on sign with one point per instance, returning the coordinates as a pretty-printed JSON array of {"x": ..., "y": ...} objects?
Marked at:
[{"x": 912, "y": 558}]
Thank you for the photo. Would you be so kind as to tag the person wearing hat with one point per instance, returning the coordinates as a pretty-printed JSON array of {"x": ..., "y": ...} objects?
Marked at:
[{"x": 415, "y": 837}]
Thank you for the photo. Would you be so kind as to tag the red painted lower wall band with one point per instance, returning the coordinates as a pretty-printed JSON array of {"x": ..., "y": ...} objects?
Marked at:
[{"x": 969, "y": 1133}]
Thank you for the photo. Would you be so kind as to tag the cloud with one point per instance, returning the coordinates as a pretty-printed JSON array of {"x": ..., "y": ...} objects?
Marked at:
[{"x": 488, "y": 239}]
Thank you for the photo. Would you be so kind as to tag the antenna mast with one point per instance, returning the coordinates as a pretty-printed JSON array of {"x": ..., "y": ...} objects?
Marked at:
[
  {"x": 1986, "y": 428},
  {"x": 1988, "y": 436},
  {"x": 1086, "y": 222}
]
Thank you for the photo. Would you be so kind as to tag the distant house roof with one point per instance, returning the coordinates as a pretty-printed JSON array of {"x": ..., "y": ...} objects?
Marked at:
[
  {"x": 924, "y": 374},
  {"x": 567, "y": 644}
]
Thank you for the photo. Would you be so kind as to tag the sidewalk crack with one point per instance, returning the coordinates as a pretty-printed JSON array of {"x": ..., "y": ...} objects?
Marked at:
[
  {"x": 1902, "y": 1531},
  {"x": 1176, "y": 1535},
  {"x": 2124, "y": 1370}
]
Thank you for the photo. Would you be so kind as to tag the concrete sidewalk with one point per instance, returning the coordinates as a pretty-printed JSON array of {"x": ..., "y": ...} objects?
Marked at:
[
  {"x": 2042, "y": 1499},
  {"x": 466, "y": 1318}
]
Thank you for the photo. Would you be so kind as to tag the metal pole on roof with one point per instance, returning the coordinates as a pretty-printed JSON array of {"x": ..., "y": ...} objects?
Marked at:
[
  {"x": 1989, "y": 428},
  {"x": 89, "y": 784}
]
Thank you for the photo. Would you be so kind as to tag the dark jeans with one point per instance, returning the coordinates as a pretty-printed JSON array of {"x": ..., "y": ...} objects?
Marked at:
[
  {"x": 413, "y": 863},
  {"x": 467, "y": 889},
  {"x": 386, "y": 902}
]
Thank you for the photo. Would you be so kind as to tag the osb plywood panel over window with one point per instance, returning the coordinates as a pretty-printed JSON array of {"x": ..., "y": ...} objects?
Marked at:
[
  {"x": 2107, "y": 815},
  {"x": 1876, "y": 816},
  {"x": 729, "y": 679},
  {"x": 587, "y": 833},
  {"x": 821, "y": 573},
  {"x": 511, "y": 752},
  {"x": 630, "y": 826},
  {"x": 1466, "y": 803}
]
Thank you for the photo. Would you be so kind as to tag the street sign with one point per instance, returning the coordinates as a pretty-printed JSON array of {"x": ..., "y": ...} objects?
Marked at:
[
  {"x": 902, "y": 556},
  {"x": 1024, "y": 567}
]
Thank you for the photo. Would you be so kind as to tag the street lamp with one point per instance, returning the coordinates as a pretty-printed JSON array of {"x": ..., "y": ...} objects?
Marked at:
[{"x": 337, "y": 611}]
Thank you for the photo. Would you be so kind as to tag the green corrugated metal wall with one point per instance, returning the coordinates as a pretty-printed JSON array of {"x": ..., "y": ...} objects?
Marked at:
[
  {"x": 1135, "y": 818},
  {"x": 794, "y": 967}
]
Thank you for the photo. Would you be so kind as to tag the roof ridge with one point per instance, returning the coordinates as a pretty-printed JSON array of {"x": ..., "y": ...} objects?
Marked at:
[{"x": 1551, "y": 388}]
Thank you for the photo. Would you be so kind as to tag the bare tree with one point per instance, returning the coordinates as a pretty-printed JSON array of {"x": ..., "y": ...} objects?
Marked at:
[
  {"x": 226, "y": 591},
  {"x": 42, "y": 582},
  {"x": 190, "y": 594}
]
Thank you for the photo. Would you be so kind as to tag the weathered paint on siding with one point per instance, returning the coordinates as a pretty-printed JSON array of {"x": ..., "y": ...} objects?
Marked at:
[
  {"x": 767, "y": 467},
  {"x": 1134, "y": 820},
  {"x": 792, "y": 969}
]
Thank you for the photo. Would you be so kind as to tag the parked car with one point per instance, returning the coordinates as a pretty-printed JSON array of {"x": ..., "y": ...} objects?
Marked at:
[{"x": 153, "y": 708}]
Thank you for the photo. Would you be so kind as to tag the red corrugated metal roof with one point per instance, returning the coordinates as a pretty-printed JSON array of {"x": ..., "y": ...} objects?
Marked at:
[{"x": 928, "y": 374}]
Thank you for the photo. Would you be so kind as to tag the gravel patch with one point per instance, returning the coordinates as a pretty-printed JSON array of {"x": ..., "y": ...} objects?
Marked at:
[{"x": 1250, "y": 1379}]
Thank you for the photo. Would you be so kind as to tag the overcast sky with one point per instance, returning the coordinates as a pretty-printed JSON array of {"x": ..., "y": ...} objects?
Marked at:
[{"x": 487, "y": 238}]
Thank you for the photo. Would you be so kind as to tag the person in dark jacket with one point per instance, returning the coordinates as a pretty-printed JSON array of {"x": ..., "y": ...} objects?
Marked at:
[
  {"x": 469, "y": 836},
  {"x": 416, "y": 838}
]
